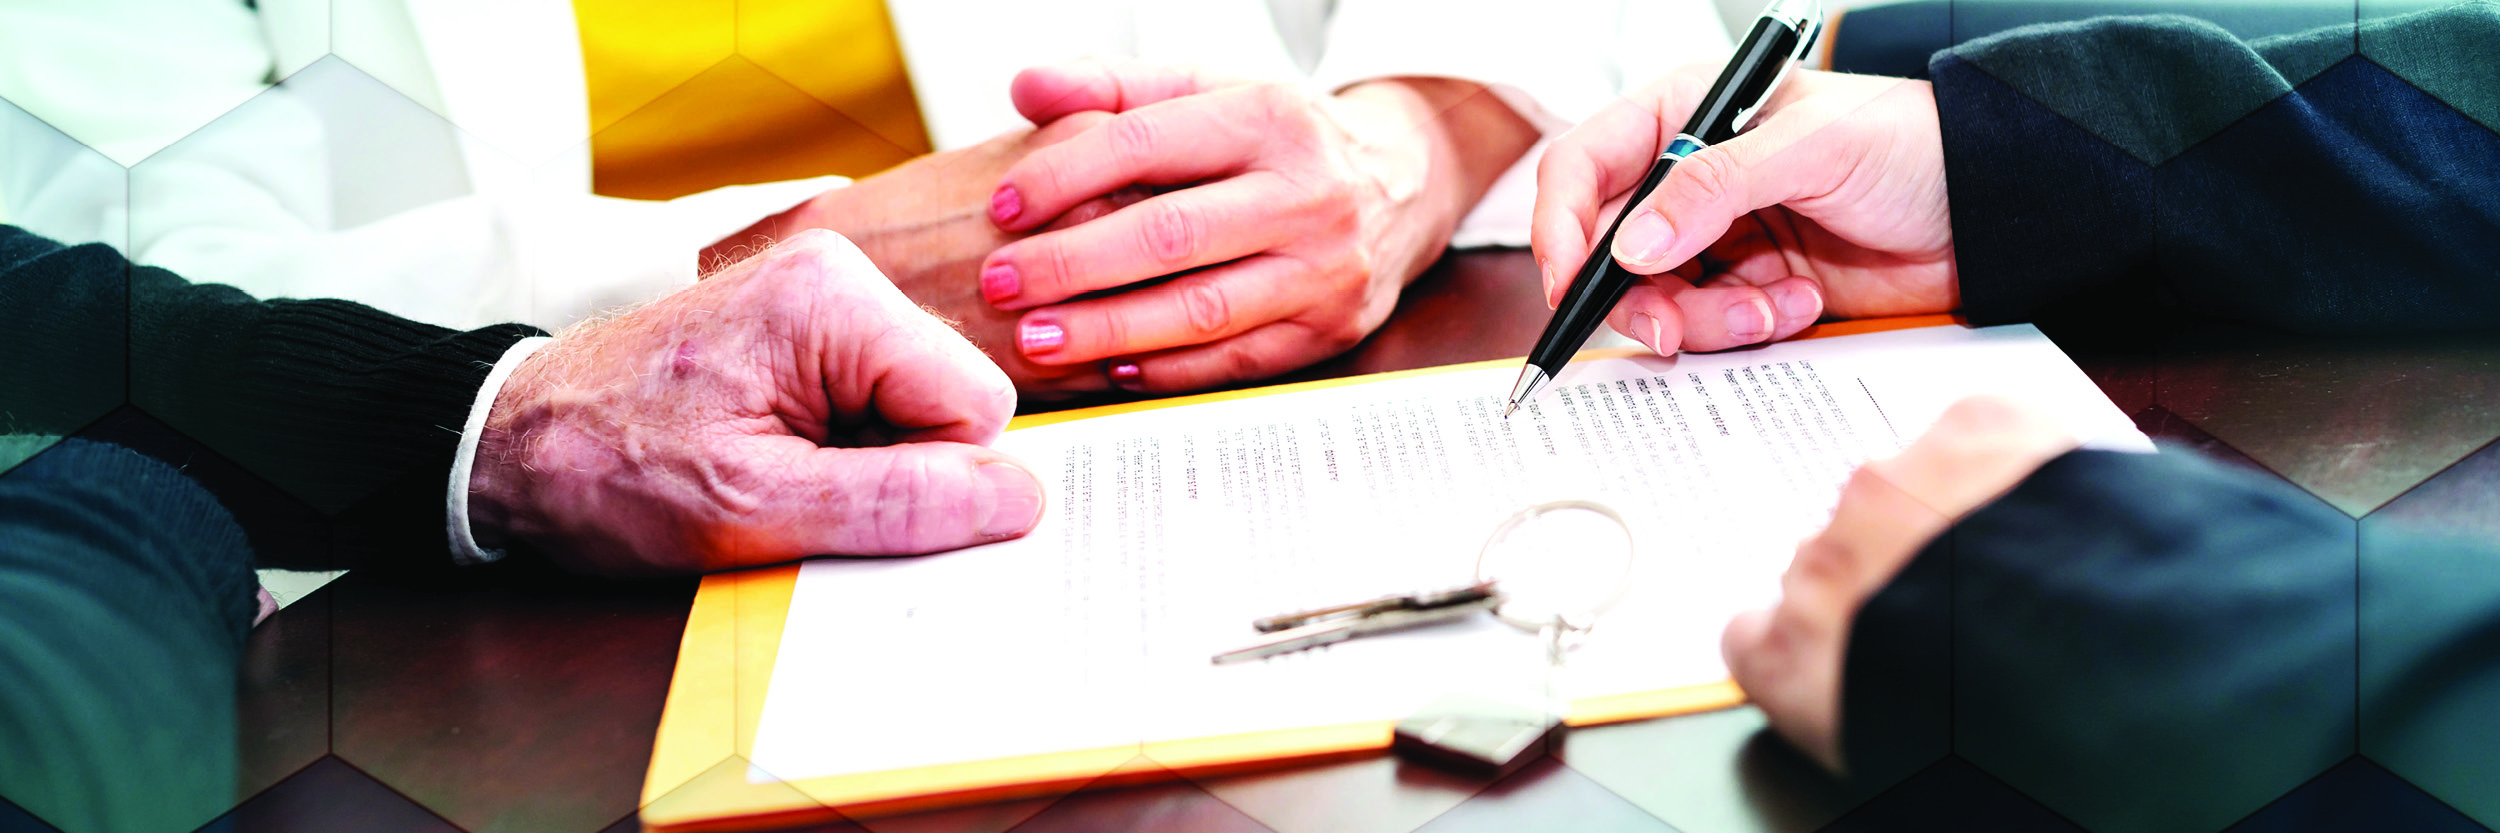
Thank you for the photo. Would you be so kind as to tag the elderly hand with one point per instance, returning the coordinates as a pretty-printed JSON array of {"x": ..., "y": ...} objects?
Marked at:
[
  {"x": 794, "y": 404},
  {"x": 1297, "y": 219},
  {"x": 1788, "y": 658},
  {"x": 1834, "y": 202},
  {"x": 925, "y": 224}
]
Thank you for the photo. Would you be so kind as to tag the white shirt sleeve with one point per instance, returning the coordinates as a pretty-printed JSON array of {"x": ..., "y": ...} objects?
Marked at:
[
  {"x": 464, "y": 548},
  {"x": 1554, "y": 63}
]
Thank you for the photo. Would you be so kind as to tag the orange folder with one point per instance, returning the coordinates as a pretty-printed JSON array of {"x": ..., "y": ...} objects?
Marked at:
[{"x": 699, "y": 762}]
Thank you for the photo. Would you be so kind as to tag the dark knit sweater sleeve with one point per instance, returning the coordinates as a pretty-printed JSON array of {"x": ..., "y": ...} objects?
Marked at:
[
  {"x": 334, "y": 403},
  {"x": 2289, "y": 182}
]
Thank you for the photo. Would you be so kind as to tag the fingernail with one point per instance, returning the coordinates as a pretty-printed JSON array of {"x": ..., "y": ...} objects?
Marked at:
[
  {"x": 1749, "y": 321},
  {"x": 1015, "y": 499},
  {"x": 1644, "y": 239},
  {"x": 1546, "y": 270},
  {"x": 1645, "y": 326},
  {"x": 1000, "y": 283},
  {"x": 1040, "y": 336},
  {"x": 1005, "y": 204},
  {"x": 1796, "y": 302},
  {"x": 1128, "y": 376}
]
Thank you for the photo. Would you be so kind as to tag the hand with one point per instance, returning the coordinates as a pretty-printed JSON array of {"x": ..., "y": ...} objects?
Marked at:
[
  {"x": 1297, "y": 221},
  {"x": 1834, "y": 203},
  {"x": 925, "y": 224},
  {"x": 1788, "y": 658},
  {"x": 746, "y": 420}
]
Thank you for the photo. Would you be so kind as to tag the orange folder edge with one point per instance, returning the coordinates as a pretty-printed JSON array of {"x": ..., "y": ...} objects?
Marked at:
[{"x": 697, "y": 782}]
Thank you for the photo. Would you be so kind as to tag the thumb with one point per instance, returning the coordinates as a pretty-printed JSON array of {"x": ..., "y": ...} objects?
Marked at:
[
  {"x": 892, "y": 500},
  {"x": 1044, "y": 94},
  {"x": 1708, "y": 190}
]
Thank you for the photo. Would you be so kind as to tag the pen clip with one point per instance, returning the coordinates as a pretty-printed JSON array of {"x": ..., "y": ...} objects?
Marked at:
[{"x": 1805, "y": 18}]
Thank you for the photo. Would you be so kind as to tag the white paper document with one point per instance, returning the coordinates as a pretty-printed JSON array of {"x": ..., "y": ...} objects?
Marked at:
[{"x": 1168, "y": 531}]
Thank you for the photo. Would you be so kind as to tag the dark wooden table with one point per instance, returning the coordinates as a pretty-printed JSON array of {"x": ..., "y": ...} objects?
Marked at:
[{"x": 512, "y": 698}]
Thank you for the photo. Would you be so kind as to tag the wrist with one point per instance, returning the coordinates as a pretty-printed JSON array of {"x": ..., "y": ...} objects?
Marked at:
[
  {"x": 498, "y": 482},
  {"x": 1453, "y": 136},
  {"x": 811, "y": 213}
]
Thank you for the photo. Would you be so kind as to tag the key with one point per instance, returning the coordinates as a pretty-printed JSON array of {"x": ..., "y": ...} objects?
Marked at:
[
  {"x": 1403, "y": 601},
  {"x": 1331, "y": 625}
]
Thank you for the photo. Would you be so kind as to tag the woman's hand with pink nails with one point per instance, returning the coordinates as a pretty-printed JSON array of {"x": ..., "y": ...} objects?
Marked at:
[
  {"x": 1832, "y": 204},
  {"x": 926, "y": 224},
  {"x": 1286, "y": 226}
]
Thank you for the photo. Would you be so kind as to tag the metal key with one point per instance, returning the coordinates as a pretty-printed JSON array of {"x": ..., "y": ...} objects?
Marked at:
[{"x": 1338, "y": 623}]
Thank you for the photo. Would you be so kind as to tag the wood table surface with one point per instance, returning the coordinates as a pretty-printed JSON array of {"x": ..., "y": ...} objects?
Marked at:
[{"x": 515, "y": 698}]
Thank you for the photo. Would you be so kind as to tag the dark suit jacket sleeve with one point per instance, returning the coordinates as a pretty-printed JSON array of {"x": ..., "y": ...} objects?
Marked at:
[
  {"x": 353, "y": 412},
  {"x": 2291, "y": 182}
]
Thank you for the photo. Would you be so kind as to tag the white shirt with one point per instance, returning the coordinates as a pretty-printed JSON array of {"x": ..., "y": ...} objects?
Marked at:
[{"x": 432, "y": 159}]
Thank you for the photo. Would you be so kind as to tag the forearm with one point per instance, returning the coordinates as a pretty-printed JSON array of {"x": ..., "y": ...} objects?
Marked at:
[
  {"x": 2137, "y": 641},
  {"x": 125, "y": 593},
  {"x": 342, "y": 407},
  {"x": 2271, "y": 182}
]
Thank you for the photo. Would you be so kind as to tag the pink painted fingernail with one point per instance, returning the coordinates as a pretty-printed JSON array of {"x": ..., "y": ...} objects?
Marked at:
[
  {"x": 1644, "y": 239},
  {"x": 1015, "y": 499},
  {"x": 1040, "y": 337},
  {"x": 1005, "y": 204},
  {"x": 1128, "y": 376},
  {"x": 999, "y": 283},
  {"x": 1749, "y": 321}
]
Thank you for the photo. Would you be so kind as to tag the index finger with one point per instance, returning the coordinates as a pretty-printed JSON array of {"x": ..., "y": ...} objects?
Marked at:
[
  {"x": 1601, "y": 159},
  {"x": 1167, "y": 143},
  {"x": 877, "y": 355}
]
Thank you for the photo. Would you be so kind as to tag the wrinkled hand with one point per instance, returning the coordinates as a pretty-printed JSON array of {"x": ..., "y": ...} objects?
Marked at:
[
  {"x": 1297, "y": 219},
  {"x": 925, "y": 224},
  {"x": 1833, "y": 203},
  {"x": 1788, "y": 658},
  {"x": 746, "y": 420}
]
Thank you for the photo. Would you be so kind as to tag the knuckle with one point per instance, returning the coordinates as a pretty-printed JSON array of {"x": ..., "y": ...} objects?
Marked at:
[
  {"x": 1358, "y": 269},
  {"x": 1133, "y": 138},
  {"x": 1713, "y": 176},
  {"x": 1209, "y": 312},
  {"x": 1042, "y": 174},
  {"x": 1865, "y": 484},
  {"x": 1240, "y": 362},
  {"x": 1171, "y": 234},
  {"x": 1108, "y": 329},
  {"x": 1344, "y": 335},
  {"x": 1054, "y": 275},
  {"x": 1819, "y": 560},
  {"x": 1281, "y": 101},
  {"x": 902, "y": 513}
]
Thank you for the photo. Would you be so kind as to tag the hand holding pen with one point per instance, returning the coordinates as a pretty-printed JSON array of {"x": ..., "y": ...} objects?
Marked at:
[{"x": 1832, "y": 203}]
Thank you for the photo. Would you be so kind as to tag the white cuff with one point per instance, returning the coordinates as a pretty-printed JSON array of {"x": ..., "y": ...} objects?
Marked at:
[{"x": 464, "y": 548}]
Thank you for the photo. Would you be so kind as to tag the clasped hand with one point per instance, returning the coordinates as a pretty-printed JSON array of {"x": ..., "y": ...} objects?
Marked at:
[{"x": 1290, "y": 224}]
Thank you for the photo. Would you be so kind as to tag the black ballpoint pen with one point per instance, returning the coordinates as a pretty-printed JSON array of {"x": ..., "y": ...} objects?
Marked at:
[{"x": 1779, "y": 38}]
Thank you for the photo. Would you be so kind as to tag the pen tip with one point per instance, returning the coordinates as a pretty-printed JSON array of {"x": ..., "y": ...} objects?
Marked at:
[{"x": 1512, "y": 408}]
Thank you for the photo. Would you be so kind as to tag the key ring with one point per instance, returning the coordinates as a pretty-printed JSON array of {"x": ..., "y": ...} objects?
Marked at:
[{"x": 1561, "y": 620}]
